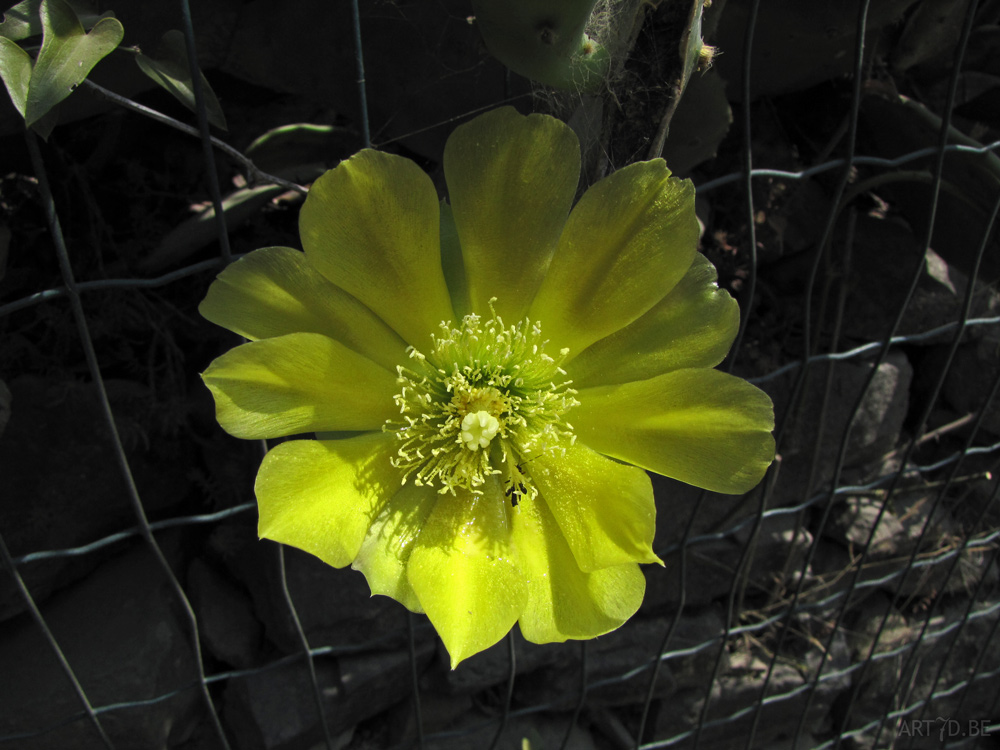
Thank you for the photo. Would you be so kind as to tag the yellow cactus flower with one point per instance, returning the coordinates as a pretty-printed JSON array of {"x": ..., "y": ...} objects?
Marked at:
[{"x": 488, "y": 381}]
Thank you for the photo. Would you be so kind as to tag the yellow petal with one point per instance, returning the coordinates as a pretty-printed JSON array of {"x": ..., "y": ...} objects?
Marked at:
[
  {"x": 703, "y": 427},
  {"x": 386, "y": 550},
  {"x": 511, "y": 180},
  {"x": 371, "y": 226},
  {"x": 300, "y": 382},
  {"x": 274, "y": 291},
  {"x": 629, "y": 240},
  {"x": 692, "y": 326},
  {"x": 605, "y": 510},
  {"x": 463, "y": 571},
  {"x": 451, "y": 262},
  {"x": 563, "y": 601},
  {"x": 321, "y": 495}
]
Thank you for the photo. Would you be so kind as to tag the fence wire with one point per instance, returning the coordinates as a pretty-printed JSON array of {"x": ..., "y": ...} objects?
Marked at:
[{"x": 778, "y": 625}]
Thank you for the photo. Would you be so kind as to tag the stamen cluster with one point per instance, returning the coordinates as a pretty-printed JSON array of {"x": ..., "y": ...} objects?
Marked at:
[{"x": 485, "y": 400}]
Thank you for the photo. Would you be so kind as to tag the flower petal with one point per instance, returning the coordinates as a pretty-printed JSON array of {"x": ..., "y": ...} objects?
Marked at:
[
  {"x": 386, "y": 550},
  {"x": 605, "y": 510},
  {"x": 300, "y": 382},
  {"x": 511, "y": 180},
  {"x": 463, "y": 571},
  {"x": 274, "y": 291},
  {"x": 371, "y": 226},
  {"x": 451, "y": 262},
  {"x": 629, "y": 240},
  {"x": 692, "y": 326},
  {"x": 321, "y": 495},
  {"x": 703, "y": 427},
  {"x": 563, "y": 601}
]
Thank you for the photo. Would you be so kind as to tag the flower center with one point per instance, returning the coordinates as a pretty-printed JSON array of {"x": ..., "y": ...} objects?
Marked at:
[{"x": 485, "y": 400}]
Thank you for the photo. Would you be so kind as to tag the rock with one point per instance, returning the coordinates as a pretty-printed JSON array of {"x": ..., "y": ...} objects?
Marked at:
[
  {"x": 853, "y": 522},
  {"x": 780, "y": 548},
  {"x": 881, "y": 675},
  {"x": 710, "y": 562},
  {"x": 120, "y": 633},
  {"x": 4, "y": 406},
  {"x": 492, "y": 666},
  {"x": 614, "y": 664},
  {"x": 62, "y": 485},
  {"x": 226, "y": 622},
  {"x": 884, "y": 258},
  {"x": 875, "y": 430},
  {"x": 950, "y": 647},
  {"x": 970, "y": 378},
  {"x": 676, "y": 501},
  {"x": 275, "y": 708},
  {"x": 932, "y": 573},
  {"x": 890, "y": 125},
  {"x": 901, "y": 525},
  {"x": 340, "y": 742},
  {"x": 831, "y": 578},
  {"x": 335, "y": 607},
  {"x": 708, "y": 577},
  {"x": 779, "y": 551},
  {"x": 438, "y": 711},
  {"x": 541, "y": 731},
  {"x": 740, "y": 685},
  {"x": 882, "y": 265}
]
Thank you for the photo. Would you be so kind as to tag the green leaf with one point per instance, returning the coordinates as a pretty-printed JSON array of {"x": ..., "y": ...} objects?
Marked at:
[
  {"x": 24, "y": 20},
  {"x": 21, "y": 21},
  {"x": 44, "y": 125},
  {"x": 302, "y": 151},
  {"x": 170, "y": 70},
  {"x": 193, "y": 234},
  {"x": 67, "y": 56},
  {"x": 15, "y": 69}
]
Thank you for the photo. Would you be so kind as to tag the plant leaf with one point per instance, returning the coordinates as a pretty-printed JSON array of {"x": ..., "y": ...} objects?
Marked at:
[
  {"x": 21, "y": 21},
  {"x": 44, "y": 125},
  {"x": 15, "y": 69},
  {"x": 24, "y": 19},
  {"x": 170, "y": 70},
  {"x": 67, "y": 56},
  {"x": 302, "y": 151},
  {"x": 196, "y": 232}
]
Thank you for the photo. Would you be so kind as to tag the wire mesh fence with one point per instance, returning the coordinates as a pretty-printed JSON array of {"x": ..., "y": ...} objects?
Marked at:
[{"x": 850, "y": 600}]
